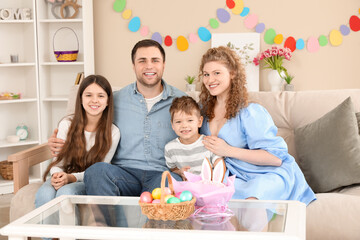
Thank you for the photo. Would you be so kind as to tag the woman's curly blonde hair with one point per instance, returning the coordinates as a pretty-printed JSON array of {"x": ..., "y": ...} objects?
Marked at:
[{"x": 238, "y": 95}]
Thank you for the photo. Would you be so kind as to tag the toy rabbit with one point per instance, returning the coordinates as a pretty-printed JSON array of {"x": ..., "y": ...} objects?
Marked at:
[{"x": 213, "y": 176}]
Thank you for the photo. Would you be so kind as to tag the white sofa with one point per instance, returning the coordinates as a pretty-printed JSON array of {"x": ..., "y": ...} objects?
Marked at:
[{"x": 334, "y": 215}]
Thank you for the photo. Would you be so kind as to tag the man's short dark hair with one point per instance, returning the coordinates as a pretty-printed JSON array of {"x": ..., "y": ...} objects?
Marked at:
[{"x": 147, "y": 43}]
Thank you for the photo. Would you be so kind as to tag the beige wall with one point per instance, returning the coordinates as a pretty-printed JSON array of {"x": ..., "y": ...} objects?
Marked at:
[{"x": 329, "y": 68}]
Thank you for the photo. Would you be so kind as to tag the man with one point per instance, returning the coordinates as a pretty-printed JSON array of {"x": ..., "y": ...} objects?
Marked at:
[{"x": 141, "y": 112}]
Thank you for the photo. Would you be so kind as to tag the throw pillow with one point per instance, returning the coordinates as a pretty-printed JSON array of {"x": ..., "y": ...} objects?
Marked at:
[{"x": 329, "y": 149}]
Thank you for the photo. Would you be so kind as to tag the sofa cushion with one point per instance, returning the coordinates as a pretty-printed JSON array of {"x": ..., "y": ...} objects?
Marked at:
[
  {"x": 333, "y": 216},
  {"x": 329, "y": 149},
  {"x": 24, "y": 201}
]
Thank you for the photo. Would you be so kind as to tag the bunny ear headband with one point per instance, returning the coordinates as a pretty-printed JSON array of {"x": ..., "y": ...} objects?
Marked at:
[{"x": 209, "y": 175}]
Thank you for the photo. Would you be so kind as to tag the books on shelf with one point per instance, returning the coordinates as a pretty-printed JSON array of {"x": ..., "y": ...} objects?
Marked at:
[{"x": 79, "y": 78}]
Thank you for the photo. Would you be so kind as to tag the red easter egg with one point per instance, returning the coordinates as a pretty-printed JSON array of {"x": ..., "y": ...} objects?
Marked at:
[
  {"x": 290, "y": 43},
  {"x": 354, "y": 23},
  {"x": 146, "y": 197},
  {"x": 230, "y": 4},
  {"x": 168, "y": 41}
]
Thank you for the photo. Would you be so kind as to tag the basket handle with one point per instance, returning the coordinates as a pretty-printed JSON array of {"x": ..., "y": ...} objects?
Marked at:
[
  {"x": 166, "y": 174},
  {"x": 77, "y": 39}
]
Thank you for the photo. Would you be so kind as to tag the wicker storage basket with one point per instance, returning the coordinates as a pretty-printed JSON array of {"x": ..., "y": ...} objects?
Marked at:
[
  {"x": 66, "y": 56},
  {"x": 168, "y": 211},
  {"x": 6, "y": 170}
]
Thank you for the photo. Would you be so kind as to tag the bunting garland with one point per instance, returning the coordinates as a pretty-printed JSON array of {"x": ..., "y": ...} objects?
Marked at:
[{"x": 251, "y": 21}]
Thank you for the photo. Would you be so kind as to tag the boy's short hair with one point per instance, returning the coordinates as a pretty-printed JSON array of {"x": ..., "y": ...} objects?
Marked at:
[{"x": 184, "y": 104}]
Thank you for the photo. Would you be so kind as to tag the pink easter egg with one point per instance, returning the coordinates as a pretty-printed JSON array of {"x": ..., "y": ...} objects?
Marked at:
[
  {"x": 193, "y": 38},
  {"x": 167, "y": 191},
  {"x": 178, "y": 194},
  {"x": 144, "y": 31},
  {"x": 146, "y": 197},
  {"x": 156, "y": 201}
]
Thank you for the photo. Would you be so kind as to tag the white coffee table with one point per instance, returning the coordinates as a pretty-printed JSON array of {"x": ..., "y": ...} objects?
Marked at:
[{"x": 251, "y": 220}]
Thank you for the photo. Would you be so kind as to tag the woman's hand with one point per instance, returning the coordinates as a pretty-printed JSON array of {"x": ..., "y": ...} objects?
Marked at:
[
  {"x": 216, "y": 145},
  {"x": 55, "y": 144},
  {"x": 59, "y": 179}
]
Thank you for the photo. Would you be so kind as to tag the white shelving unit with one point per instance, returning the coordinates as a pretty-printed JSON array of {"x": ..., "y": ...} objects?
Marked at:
[{"x": 43, "y": 82}]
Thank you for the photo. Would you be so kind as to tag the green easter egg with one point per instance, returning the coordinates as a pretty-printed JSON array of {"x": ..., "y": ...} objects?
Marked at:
[
  {"x": 323, "y": 41},
  {"x": 270, "y": 34},
  {"x": 173, "y": 200},
  {"x": 214, "y": 23},
  {"x": 119, "y": 5}
]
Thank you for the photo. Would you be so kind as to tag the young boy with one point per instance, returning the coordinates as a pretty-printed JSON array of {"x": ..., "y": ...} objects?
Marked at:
[{"x": 187, "y": 152}]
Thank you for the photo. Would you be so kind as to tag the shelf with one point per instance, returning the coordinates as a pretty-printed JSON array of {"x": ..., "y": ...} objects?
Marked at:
[
  {"x": 60, "y": 20},
  {"x": 17, "y": 64},
  {"x": 4, "y": 143},
  {"x": 22, "y": 100},
  {"x": 56, "y": 99},
  {"x": 7, "y": 186},
  {"x": 62, "y": 63},
  {"x": 17, "y": 21}
]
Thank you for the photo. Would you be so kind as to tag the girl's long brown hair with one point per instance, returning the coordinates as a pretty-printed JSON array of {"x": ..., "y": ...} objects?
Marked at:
[
  {"x": 238, "y": 95},
  {"x": 73, "y": 154}
]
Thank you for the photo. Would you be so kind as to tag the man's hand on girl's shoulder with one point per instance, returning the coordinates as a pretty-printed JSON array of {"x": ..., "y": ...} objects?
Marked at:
[{"x": 55, "y": 144}]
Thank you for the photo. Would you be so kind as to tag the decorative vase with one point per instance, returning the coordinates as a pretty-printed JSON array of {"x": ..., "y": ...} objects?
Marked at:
[
  {"x": 289, "y": 87},
  {"x": 190, "y": 87},
  {"x": 275, "y": 81}
]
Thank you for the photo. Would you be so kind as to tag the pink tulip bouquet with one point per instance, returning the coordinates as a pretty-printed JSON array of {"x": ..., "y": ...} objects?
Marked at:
[{"x": 273, "y": 59}]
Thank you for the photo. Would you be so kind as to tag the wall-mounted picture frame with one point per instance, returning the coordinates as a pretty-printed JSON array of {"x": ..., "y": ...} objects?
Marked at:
[{"x": 247, "y": 46}]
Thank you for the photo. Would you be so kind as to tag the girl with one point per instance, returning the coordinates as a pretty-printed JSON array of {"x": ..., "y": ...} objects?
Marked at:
[
  {"x": 245, "y": 134},
  {"x": 89, "y": 136}
]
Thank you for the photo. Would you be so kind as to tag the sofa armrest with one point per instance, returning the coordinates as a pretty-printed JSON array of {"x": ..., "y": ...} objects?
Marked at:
[{"x": 23, "y": 160}]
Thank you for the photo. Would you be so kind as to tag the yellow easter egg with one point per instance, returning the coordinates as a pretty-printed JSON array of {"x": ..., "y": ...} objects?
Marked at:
[
  {"x": 239, "y": 7},
  {"x": 182, "y": 43},
  {"x": 278, "y": 39},
  {"x": 156, "y": 193},
  {"x": 335, "y": 37},
  {"x": 126, "y": 14}
]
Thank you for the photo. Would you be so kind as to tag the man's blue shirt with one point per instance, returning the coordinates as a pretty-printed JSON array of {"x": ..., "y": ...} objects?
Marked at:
[{"x": 143, "y": 134}]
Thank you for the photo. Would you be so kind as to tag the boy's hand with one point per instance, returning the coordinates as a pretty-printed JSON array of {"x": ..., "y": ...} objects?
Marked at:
[
  {"x": 55, "y": 144},
  {"x": 181, "y": 171}
]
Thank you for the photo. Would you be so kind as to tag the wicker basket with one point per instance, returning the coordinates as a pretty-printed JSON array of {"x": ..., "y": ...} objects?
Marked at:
[
  {"x": 168, "y": 211},
  {"x": 66, "y": 56},
  {"x": 6, "y": 170}
]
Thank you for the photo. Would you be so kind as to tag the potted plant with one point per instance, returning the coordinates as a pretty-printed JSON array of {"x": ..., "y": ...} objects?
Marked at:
[
  {"x": 288, "y": 78},
  {"x": 273, "y": 59},
  {"x": 190, "y": 86}
]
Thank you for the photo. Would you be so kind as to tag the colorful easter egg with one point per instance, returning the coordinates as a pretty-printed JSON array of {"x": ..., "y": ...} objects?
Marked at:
[
  {"x": 230, "y": 4},
  {"x": 269, "y": 36},
  {"x": 127, "y": 14},
  {"x": 335, "y": 38},
  {"x": 146, "y": 197},
  {"x": 290, "y": 43},
  {"x": 251, "y": 21},
  {"x": 354, "y": 23},
  {"x": 173, "y": 200},
  {"x": 157, "y": 37},
  {"x": 178, "y": 194},
  {"x": 156, "y": 201},
  {"x": 167, "y": 191},
  {"x": 119, "y": 5},
  {"x": 186, "y": 196},
  {"x": 300, "y": 44},
  {"x": 323, "y": 41},
  {"x": 156, "y": 193},
  {"x": 245, "y": 11},
  {"x": 312, "y": 44},
  {"x": 260, "y": 28},
  {"x": 134, "y": 24},
  {"x": 182, "y": 43},
  {"x": 193, "y": 38},
  {"x": 279, "y": 39},
  {"x": 214, "y": 23},
  {"x": 222, "y": 15},
  {"x": 167, "y": 197},
  {"x": 168, "y": 41},
  {"x": 204, "y": 34}
]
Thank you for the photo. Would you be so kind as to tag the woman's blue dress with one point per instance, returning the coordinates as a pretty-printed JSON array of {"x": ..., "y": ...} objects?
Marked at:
[{"x": 253, "y": 128}]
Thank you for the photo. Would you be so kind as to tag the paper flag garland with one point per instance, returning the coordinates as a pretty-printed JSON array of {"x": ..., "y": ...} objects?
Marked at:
[{"x": 251, "y": 21}]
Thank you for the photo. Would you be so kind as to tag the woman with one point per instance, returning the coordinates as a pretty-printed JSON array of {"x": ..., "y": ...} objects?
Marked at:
[{"x": 245, "y": 134}]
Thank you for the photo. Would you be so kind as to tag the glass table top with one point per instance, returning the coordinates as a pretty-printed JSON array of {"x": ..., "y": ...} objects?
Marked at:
[{"x": 125, "y": 212}]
